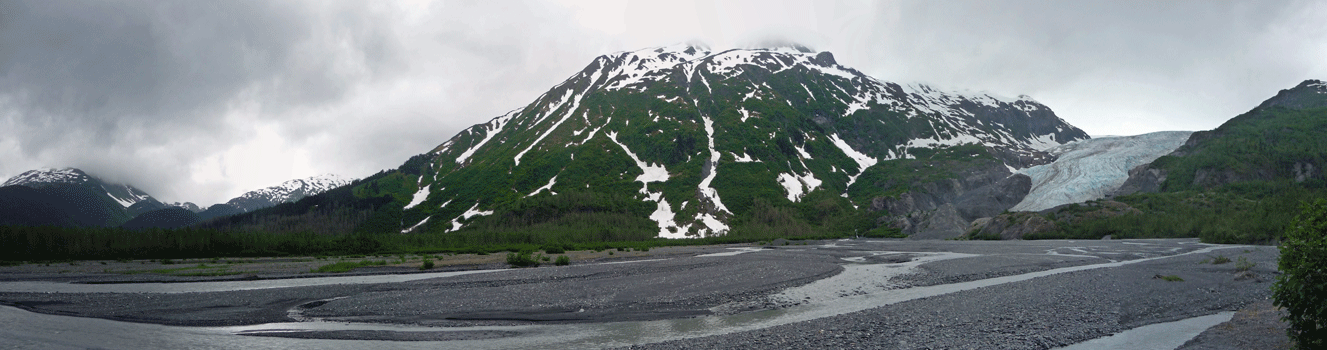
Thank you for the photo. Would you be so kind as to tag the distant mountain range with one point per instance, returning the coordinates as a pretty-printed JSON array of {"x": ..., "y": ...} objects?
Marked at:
[
  {"x": 684, "y": 141},
  {"x": 72, "y": 197}
]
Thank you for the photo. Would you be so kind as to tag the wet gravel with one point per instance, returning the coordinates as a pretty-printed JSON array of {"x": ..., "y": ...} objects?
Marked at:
[{"x": 1039, "y": 313}]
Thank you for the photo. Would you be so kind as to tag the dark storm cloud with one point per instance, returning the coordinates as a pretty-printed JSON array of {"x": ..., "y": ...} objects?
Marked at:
[
  {"x": 83, "y": 79},
  {"x": 201, "y": 101}
]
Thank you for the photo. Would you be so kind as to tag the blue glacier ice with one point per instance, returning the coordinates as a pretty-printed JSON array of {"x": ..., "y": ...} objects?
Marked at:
[{"x": 1090, "y": 169}]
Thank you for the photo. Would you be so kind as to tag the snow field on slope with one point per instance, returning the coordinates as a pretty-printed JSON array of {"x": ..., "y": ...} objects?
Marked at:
[
  {"x": 1089, "y": 169},
  {"x": 498, "y": 124},
  {"x": 663, "y": 213},
  {"x": 419, "y": 197},
  {"x": 715, "y": 226},
  {"x": 472, "y": 212},
  {"x": 574, "y": 104}
]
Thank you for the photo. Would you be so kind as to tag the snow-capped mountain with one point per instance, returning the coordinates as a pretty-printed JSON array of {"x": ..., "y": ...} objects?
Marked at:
[
  {"x": 190, "y": 206},
  {"x": 288, "y": 191},
  {"x": 703, "y": 136},
  {"x": 85, "y": 200},
  {"x": 1091, "y": 169},
  {"x": 125, "y": 195}
]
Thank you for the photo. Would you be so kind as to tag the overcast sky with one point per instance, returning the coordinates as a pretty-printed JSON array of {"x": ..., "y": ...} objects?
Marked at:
[{"x": 203, "y": 100}]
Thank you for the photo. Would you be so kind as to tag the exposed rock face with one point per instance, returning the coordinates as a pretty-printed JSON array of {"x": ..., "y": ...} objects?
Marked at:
[
  {"x": 946, "y": 208},
  {"x": 1016, "y": 225},
  {"x": 1305, "y": 171},
  {"x": 1142, "y": 178}
]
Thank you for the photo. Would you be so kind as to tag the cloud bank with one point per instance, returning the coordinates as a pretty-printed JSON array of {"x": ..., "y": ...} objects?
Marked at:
[{"x": 201, "y": 101}]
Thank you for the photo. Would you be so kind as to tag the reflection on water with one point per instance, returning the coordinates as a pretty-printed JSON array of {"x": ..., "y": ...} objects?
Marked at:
[{"x": 1160, "y": 336}]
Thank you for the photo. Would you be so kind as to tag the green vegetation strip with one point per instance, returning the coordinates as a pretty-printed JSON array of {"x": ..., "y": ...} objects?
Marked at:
[{"x": 346, "y": 266}]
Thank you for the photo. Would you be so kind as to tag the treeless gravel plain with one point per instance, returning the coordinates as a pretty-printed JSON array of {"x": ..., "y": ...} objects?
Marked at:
[{"x": 868, "y": 294}]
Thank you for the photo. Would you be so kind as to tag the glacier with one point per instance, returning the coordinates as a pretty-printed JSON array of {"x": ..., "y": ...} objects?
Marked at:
[{"x": 1089, "y": 169}]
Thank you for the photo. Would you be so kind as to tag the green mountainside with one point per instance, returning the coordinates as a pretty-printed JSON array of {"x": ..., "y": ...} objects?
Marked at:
[
  {"x": 683, "y": 142},
  {"x": 69, "y": 197},
  {"x": 1239, "y": 183}
]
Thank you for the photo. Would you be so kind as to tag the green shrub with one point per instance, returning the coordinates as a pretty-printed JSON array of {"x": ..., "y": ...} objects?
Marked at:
[
  {"x": 1243, "y": 264},
  {"x": 1301, "y": 289},
  {"x": 524, "y": 259},
  {"x": 428, "y": 264},
  {"x": 1170, "y": 278},
  {"x": 1220, "y": 259},
  {"x": 884, "y": 232},
  {"x": 562, "y": 260},
  {"x": 553, "y": 249},
  {"x": 346, "y": 266}
]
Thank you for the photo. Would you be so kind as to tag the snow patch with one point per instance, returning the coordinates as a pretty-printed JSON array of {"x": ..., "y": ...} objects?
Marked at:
[
  {"x": 421, "y": 223},
  {"x": 663, "y": 215},
  {"x": 712, "y": 223},
  {"x": 801, "y": 150},
  {"x": 744, "y": 158},
  {"x": 810, "y": 180},
  {"x": 790, "y": 184},
  {"x": 653, "y": 173},
  {"x": 548, "y": 187},
  {"x": 575, "y": 104},
  {"x": 932, "y": 142},
  {"x": 492, "y": 129},
  {"x": 863, "y": 161},
  {"x": 1043, "y": 142},
  {"x": 420, "y": 196},
  {"x": 472, "y": 212}
]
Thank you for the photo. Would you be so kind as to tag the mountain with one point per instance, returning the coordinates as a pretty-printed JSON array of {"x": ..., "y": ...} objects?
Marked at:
[
  {"x": 190, "y": 206},
  {"x": 25, "y": 206},
  {"x": 168, "y": 218},
  {"x": 682, "y": 141},
  {"x": 69, "y": 197},
  {"x": 125, "y": 195},
  {"x": 1281, "y": 139},
  {"x": 289, "y": 191},
  {"x": 72, "y": 197},
  {"x": 1239, "y": 183}
]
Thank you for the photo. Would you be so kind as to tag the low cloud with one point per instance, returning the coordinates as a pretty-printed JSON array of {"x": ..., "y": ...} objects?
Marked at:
[{"x": 201, "y": 101}]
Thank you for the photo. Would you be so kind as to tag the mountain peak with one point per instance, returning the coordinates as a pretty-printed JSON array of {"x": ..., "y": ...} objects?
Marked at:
[
  {"x": 49, "y": 175},
  {"x": 689, "y": 133},
  {"x": 1311, "y": 93},
  {"x": 288, "y": 191},
  {"x": 125, "y": 195},
  {"x": 783, "y": 46}
]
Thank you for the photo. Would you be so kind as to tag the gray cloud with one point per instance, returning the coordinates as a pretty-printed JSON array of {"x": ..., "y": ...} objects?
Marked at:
[
  {"x": 202, "y": 101},
  {"x": 106, "y": 85}
]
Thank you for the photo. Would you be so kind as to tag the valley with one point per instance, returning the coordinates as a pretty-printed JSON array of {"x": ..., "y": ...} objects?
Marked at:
[
  {"x": 757, "y": 197},
  {"x": 824, "y": 294}
]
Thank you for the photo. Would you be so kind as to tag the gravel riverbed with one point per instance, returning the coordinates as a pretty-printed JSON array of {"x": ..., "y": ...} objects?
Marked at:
[{"x": 853, "y": 294}]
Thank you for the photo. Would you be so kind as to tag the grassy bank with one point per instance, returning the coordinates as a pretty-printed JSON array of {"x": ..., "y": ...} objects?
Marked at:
[{"x": 61, "y": 243}]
